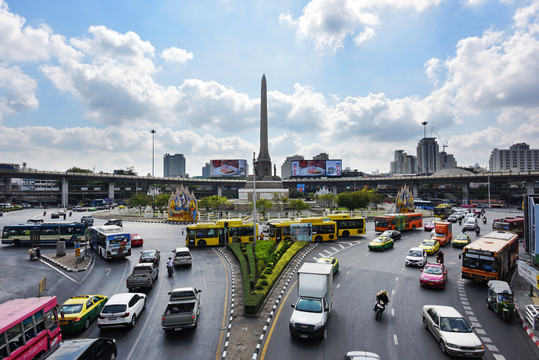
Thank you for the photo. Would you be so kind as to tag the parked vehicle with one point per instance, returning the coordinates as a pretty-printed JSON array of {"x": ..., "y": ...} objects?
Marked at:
[
  {"x": 451, "y": 331},
  {"x": 416, "y": 256},
  {"x": 182, "y": 256},
  {"x": 183, "y": 309},
  {"x": 500, "y": 299},
  {"x": 315, "y": 299},
  {"x": 83, "y": 349},
  {"x": 122, "y": 310},
  {"x": 143, "y": 276}
]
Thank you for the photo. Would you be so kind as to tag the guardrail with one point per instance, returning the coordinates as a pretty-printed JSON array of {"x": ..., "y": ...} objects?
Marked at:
[{"x": 532, "y": 315}]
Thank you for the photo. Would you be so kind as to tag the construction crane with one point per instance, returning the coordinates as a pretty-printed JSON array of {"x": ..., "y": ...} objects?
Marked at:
[{"x": 444, "y": 143}]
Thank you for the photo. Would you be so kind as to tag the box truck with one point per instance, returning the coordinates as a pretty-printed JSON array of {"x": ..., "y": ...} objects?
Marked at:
[
  {"x": 315, "y": 298},
  {"x": 443, "y": 232}
]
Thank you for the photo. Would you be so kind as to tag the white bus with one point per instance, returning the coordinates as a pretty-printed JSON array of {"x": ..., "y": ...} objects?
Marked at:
[{"x": 110, "y": 241}]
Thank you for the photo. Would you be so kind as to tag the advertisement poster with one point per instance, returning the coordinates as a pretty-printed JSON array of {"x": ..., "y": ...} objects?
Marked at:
[
  {"x": 309, "y": 168},
  {"x": 223, "y": 168},
  {"x": 301, "y": 188},
  {"x": 301, "y": 232},
  {"x": 333, "y": 167}
]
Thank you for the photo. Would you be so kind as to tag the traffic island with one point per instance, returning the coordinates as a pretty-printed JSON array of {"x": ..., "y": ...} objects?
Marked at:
[{"x": 69, "y": 262}]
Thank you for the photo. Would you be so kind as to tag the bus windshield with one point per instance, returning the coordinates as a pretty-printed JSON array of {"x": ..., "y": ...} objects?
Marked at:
[{"x": 480, "y": 262}]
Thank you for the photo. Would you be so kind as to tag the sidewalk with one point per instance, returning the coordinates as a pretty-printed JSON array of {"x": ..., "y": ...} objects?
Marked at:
[
  {"x": 69, "y": 261},
  {"x": 521, "y": 291}
]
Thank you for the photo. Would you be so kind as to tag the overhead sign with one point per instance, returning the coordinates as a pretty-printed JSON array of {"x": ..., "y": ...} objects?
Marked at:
[{"x": 529, "y": 273}]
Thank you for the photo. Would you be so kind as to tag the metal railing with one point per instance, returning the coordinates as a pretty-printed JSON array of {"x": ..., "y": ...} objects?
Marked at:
[{"x": 532, "y": 315}]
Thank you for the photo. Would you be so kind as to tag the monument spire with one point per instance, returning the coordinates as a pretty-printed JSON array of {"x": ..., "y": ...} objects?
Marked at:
[{"x": 263, "y": 167}]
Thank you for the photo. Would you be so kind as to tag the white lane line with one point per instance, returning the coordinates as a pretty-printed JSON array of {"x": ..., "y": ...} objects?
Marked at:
[
  {"x": 392, "y": 292},
  {"x": 367, "y": 254},
  {"x": 403, "y": 268},
  {"x": 342, "y": 246},
  {"x": 395, "y": 340},
  {"x": 491, "y": 347},
  {"x": 472, "y": 318},
  {"x": 476, "y": 324},
  {"x": 334, "y": 249},
  {"x": 315, "y": 258},
  {"x": 321, "y": 255},
  {"x": 392, "y": 312},
  {"x": 486, "y": 339},
  {"x": 467, "y": 308},
  {"x": 397, "y": 278},
  {"x": 468, "y": 312},
  {"x": 480, "y": 331},
  {"x": 338, "y": 285},
  {"x": 498, "y": 356},
  {"x": 348, "y": 272},
  {"x": 107, "y": 271},
  {"x": 465, "y": 303},
  {"x": 61, "y": 272}
]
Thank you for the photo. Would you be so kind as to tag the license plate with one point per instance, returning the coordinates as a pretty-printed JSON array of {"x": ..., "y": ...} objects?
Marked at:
[
  {"x": 63, "y": 322},
  {"x": 303, "y": 336},
  {"x": 112, "y": 318},
  {"x": 431, "y": 283},
  {"x": 468, "y": 354}
]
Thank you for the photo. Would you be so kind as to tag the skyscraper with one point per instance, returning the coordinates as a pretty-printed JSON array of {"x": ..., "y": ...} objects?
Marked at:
[
  {"x": 173, "y": 165},
  {"x": 519, "y": 157},
  {"x": 427, "y": 155}
]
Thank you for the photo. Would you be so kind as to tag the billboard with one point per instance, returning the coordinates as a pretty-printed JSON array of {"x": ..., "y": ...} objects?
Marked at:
[
  {"x": 309, "y": 168},
  {"x": 222, "y": 168}
]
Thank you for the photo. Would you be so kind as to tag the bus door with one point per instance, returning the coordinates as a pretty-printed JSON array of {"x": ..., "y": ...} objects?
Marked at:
[
  {"x": 34, "y": 237},
  {"x": 400, "y": 223},
  {"x": 278, "y": 234},
  {"x": 191, "y": 236},
  {"x": 222, "y": 237}
]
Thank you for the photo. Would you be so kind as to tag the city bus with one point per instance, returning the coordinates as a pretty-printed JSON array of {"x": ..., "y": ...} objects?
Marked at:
[
  {"x": 37, "y": 234},
  {"x": 401, "y": 222},
  {"x": 424, "y": 204},
  {"x": 513, "y": 224},
  {"x": 279, "y": 231},
  {"x": 28, "y": 327},
  {"x": 490, "y": 257},
  {"x": 348, "y": 225},
  {"x": 495, "y": 203},
  {"x": 110, "y": 241},
  {"x": 442, "y": 211},
  {"x": 323, "y": 229},
  {"x": 219, "y": 233}
]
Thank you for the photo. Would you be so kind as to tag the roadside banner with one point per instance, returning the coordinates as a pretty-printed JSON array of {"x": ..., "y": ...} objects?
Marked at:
[{"x": 529, "y": 273}]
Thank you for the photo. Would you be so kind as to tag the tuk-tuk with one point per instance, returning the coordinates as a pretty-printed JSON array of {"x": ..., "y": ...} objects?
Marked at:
[{"x": 500, "y": 299}]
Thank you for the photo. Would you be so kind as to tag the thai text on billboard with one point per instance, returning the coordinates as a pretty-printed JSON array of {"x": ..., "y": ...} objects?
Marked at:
[{"x": 220, "y": 168}]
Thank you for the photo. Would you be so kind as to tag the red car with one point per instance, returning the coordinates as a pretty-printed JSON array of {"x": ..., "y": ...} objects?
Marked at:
[
  {"x": 434, "y": 275},
  {"x": 136, "y": 240},
  {"x": 428, "y": 226}
]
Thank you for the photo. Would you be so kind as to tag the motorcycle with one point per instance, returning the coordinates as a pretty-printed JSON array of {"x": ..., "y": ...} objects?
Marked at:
[
  {"x": 170, "y": 270},
  {"x": 477, "y": 231},
  {"x": 33, "y": 254},
  {"x": 484, "y": 220},
  {"x": 379, "y": 309},
  {"x": 440, "y": 258}
]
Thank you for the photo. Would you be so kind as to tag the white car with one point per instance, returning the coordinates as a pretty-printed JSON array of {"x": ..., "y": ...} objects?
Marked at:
[
  {"x": 416, "y": 256},
  {"x": 470, "y": 224},
  {"x": 182, "y": 256},
  {"x": 451, "y": 330},
  {"x": 122, "y": 310}
]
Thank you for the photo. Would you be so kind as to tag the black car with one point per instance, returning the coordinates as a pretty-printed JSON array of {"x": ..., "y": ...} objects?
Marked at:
[
  {"x": 394, "y": 234},
  {"x": 87, "y": 349},
  {"x": 117, "y": 222},
  {"x": 55, "y": 215},
  {"x": 150, "y": 256}
]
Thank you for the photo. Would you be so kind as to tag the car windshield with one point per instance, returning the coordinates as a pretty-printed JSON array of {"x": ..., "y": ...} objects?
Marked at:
[
  {"x": 451, "y": 324},
  {"x": 387, "y": 233},
  {"x": 378, "y": 241},
  {"x": 71, "y": 309},
  {"x": 415, "y": 253},
  {"x": 309, "y": 305},
  {"x": 109, "y": 309},
  {"x": 433, "y": 270},
  {"x": 505, "y": 297},
  {"x": 461, "y": 238},
  {"x": 428, "y": 242},
  {"x": 327, "y": 261},
  {"x": 147, "y": 254}
]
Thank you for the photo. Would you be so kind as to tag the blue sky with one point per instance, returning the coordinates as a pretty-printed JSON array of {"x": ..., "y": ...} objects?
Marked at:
[{"x": 82, "y": 83}]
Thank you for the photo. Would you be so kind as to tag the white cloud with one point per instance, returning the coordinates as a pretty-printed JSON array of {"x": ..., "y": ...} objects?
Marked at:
[
  {"x": 176, "y": 55},
  {"x": 18, "y": 91}
]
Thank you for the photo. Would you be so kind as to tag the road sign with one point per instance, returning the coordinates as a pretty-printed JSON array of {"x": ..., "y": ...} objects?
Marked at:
[
  {"x": 77, "y": 252},
  {"x": 529, "y": 273},
  {"x": 42, "y": 284}
]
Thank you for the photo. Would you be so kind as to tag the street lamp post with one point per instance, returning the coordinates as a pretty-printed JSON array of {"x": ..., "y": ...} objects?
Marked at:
[
  {"x": 254, "y": 202},
  {"x": 152, "y": 187}
]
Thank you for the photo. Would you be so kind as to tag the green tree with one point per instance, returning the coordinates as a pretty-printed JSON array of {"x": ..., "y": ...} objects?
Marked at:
[
  {"x": 327, "y": 200},
  {"x": 355, "y": 200},
  {"x": 139, "y": 200},
  {"x": 161, "y": 201},
  {"x": 298, "y": 205},
  {"x": 212, "y": 203},
  {"x": 263, "y": 206},
  {"x": 79, "y": 170}
]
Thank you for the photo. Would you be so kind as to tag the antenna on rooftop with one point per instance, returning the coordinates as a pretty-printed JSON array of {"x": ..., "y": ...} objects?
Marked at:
[{"x": 424, "y": 123}]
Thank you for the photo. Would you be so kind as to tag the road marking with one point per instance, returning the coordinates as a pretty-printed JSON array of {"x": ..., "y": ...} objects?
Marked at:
[
  {"x": 467, "y": 308},
  {"x": 486, "y": 339},
  {"x": 342, "y": 246},
  {"x": 492, "y": 348},
  {"x": 327, "y": 251},
  {"x": 61, "y": 272},
  {"x": 392, "y": 312},
  {"x": 367, "y": 254},
  {"x": 338, "y": 285},
  {"x": 321, "y": 255},
  {"x": 395, "y": 340},
  {"x": 498, "y": 356},
  {"x": 334, "y": 249},
  {"x": 392, "y": 292},
  {"x": 475, "y": 324},
  {"x": 397, "y": 278},
  {"x": 468, "y": 312},
  {"x": 472, "y": 318},
  {"x": 480, "y": 331},
  {"x": 107, "y": 271}
]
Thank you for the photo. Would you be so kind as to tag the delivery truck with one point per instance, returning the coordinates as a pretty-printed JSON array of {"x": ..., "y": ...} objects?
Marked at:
[
  {"x": 443, "y": 232},
  {"x": 315, "y": 298}
]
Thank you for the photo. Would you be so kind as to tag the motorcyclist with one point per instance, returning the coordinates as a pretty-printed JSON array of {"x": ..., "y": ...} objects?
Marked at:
[
  {"x": 381, "y": 296},
  {"x": 440, "y": 257},
  {"x": 484, "y": 220},
  {"x": 38, "y": 252},
  {"x": 477, "y": 230},
  {"x": 170, "y": 264}
]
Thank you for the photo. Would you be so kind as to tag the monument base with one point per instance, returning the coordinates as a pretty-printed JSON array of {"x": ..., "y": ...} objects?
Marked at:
[{"x": 265, "y": 189}]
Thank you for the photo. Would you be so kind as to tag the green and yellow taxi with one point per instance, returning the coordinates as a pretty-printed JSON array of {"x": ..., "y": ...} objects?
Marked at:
[
  {"x": 431, "y": 246},
  {"x": 461, "y": 240},
  {"x": 381, "y": 243},
  {"x": 330, "y": 260},
  {"x": 78, "y": 311}
]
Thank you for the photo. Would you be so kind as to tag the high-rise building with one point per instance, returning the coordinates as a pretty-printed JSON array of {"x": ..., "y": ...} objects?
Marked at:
[
  {"x": 286, "y": 168},
  {"x": 403, "y": 163},
  {"x": 519, "y": 157},
  {"x": 321, "y": 156},
  {"x": 427, "y": 155},
  {"x": 445, "y": 161},
  {"x": 206, "y": 170},
  {"x": 174, "y": 165}
]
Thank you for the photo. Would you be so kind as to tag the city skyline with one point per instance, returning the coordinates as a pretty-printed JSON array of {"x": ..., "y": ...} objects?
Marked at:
[{"x": 83, "y": 86}]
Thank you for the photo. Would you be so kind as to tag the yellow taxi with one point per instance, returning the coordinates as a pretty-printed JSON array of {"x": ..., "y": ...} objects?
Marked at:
[
  {"x": 330, "y": 260},
  {"x": 381, "y": 243},
  {"x": 431, "y": 246},
  {"x": 461, "y": 240},
  {"x": 78, "y": 311}
]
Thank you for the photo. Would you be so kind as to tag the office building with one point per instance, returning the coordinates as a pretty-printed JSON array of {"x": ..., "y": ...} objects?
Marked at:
[
  {"x": 427, "y": 155},
  {"x": 286, "y": 168},
  {"x": 519, "y": 157},
  {"x": 403, "y": 163},
  {"x": 445, "y": 161},
  {"x": 206, "y": 170},
  {"x": 173, "y": 165}
]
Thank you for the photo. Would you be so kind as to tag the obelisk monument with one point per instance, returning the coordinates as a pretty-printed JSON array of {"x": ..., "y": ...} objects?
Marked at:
[{"x": 263, "y": 165}]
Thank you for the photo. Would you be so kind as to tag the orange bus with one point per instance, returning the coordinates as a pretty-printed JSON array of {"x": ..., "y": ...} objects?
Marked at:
[
  {"x": 490, "y": 257},
  {"x": 485, "y": 203},
  {"x": 28, "y": 327},
  {"x": 513, "y": 224},
  {"x": 408, "y": 221}
]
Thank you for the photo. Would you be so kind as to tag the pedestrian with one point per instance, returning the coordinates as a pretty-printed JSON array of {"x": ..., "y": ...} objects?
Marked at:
[{"x": 38, "y": 252}]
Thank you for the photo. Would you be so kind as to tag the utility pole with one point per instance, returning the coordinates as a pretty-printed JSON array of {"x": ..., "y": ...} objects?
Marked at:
[{"x": 254, "y": 201}]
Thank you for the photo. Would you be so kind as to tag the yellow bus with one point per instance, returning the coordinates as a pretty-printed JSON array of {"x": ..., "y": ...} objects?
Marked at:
[
  {"x": 348, "y": 225},
  {"x": 219, "y": 233},
  {"x": 442, "y": 211},
  {"x": 280, "y": 231},
  {"x": 324, "y": 229}
]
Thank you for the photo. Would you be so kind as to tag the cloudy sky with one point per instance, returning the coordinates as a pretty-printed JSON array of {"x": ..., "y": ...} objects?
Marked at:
[{"x": 82, "y": 83}]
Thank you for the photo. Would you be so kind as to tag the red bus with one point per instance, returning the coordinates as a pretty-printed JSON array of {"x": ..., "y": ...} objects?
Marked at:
[
  {"x": 28, "y": 327},
  {"x": 407, "y": 221},
  {"x": 513, "y": 224},
  {"x": 485, "y": 203}
]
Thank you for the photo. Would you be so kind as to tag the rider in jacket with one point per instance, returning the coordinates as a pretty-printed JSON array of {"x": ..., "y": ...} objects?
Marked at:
[{"x": 381, "y": 296}]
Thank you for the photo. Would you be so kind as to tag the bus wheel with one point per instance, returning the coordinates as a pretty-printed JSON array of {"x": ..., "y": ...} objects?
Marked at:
[
  {"x": 345, "y": 233},
  {"x": 201, "y": 243},
  {"x": 318, "y": 239},
  {"x": 17, "y": 243},
  {"x": 413, "y": 227}
]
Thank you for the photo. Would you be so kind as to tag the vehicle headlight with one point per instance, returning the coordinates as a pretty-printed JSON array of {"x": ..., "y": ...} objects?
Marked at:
[
  {"x": 479, "y": 347},
  {"x": 319, "y": 324},
  {"x": 292, "y": 322},
  {"x": 452, "y": 345}
]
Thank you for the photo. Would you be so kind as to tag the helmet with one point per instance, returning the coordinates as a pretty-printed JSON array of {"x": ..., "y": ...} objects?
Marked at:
[
  {"x": 384, "y": 292},
  {"x": 170, "y": 258}
]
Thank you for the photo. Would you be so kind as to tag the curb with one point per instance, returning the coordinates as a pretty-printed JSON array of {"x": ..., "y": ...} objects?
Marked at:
[
  {"x": 232, "y": 298},
  {"x": 48, "y": 259},
  {"x": 522, "y": 320}
]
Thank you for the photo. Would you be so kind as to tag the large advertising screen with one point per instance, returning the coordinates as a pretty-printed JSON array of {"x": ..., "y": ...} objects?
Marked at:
[
  {"x": 221, "y": 168},
  {"x": 317, "y": 168}
]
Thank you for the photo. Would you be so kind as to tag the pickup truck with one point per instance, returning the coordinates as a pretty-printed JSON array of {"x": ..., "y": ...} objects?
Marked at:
[
  {"x": 183, "y": 309},
  {"x": 143, "y": 276}
]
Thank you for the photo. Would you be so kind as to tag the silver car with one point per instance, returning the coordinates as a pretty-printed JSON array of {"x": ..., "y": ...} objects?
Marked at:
[
  {"x": 416, "y": 256},
  {"x": 451, "y": 331},
  {"x": 182, "y": 256}
]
